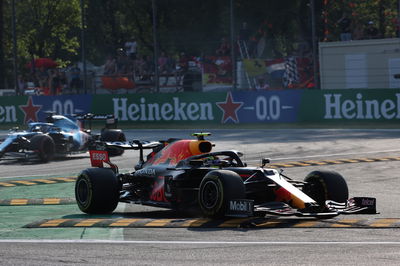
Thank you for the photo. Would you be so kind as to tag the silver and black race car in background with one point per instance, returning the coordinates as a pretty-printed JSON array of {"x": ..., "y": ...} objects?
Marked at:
[
  {"x": 59, "y": 135},
  {"x": 186, "y": 175}
]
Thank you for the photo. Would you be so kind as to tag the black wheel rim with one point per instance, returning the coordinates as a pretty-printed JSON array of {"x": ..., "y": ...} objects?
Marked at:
[
  {"x": 210, "y": 194},
  {"x": 82, "y": 191}
]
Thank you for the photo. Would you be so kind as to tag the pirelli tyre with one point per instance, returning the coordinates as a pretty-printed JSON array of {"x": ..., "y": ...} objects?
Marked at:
[
  {"x": 97, "y": 191},
  {"x": 113, "y": 135},
  {"x": 326, "y": 185},
  {"x": 44, "y": 146},
  {"x": 216, "y": 189}
]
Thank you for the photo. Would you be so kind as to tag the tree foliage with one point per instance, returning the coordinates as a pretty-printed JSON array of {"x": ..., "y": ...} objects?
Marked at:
[
  {"x": 52, "y": 28},
  {"x": 45, "y": 28}
]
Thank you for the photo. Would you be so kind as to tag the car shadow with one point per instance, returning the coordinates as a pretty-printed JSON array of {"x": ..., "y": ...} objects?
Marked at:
[
  {"x": 37, "y": 161},
  {"x": 158, "y": 214}
]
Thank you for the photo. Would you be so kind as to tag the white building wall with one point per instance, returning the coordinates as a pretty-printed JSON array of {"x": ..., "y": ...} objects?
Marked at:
[{"x": 360, "y": 64}]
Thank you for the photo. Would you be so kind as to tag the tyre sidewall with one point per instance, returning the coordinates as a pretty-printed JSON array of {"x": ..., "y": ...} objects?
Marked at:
[
  {"x": 84, "y": 201},
  {"x": 230, "y": 186},
  {"x": 97, "y": 191},
  {"x": 215, "y": 210},
  {"x": 326, "y": 185},
  {"x": 45, "y": 146}
]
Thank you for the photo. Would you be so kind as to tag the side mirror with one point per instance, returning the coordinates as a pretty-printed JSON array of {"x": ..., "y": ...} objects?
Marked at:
[{"x": 265, "y": 161}]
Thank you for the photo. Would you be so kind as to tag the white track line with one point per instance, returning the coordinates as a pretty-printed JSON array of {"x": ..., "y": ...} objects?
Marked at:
[
  {"x": 328, "y": 155},
  {"x": 60, "y": 241}
]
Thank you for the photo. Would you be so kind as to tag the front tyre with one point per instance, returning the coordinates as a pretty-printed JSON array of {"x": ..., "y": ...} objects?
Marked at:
[
  {"x": 326, "y": 185},
  {"x": 97, "y": 191},
  {"x": 216, "y": 190}
]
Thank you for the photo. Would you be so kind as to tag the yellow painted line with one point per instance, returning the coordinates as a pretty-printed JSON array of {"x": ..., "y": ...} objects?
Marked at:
[
  {"x": 283, "y": 165},
  {"x": 332, "y": 162},
  {"x": 44, "y": 181},
  {"x": 24, "y": 182},
  {"x": 384, "y": 159},
  {"x": 124, "y": 222},
  {"x": 7, "y": 184},
  {"x": 66, "y": 179},
  {"x": 160, "y": 222},
  {"x": 300, "y": 164},
  {"x": 88, "y": 222},
  {"x": 391, "y": 158},
  {"x": 19, "y": 202},
  {"x": 233, "y": 222},
  {"x": 53, "y": 223},
  {"x": 366, "y": 160},
  {"x": 305, "y": 224},
  {"x": 345, "y": 223},
  {"x": 270, "y": 223},
  {"x": 195, "y": 222},
  {"x": 315, "y": 162},
  {"x": 384, "y": 222},
  {"x": 51, "y": 201},
  {"x": 349, "y": 160}
]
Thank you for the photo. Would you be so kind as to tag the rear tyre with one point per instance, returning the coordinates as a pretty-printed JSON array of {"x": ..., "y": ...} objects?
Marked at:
[
  {"x": 216, "y": 189},
  {"x": 326, "y": 185},
  {"x": 44, "y": 145},
  {"x": 113, "y": 135},
  {"x": 97, "y": 191}
]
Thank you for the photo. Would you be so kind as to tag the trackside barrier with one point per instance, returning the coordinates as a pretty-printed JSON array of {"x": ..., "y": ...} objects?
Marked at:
[{"x": 231, "y": 107}]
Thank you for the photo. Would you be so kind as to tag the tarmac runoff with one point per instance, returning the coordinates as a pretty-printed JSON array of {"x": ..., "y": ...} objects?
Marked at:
[
  {"x": 55, "y": 180},
  {"x": 132, "y": 222}
]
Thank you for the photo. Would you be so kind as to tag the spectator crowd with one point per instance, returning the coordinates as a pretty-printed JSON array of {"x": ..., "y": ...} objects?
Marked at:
[
  {"x": 45, "y": 80},
  {"x": 127, "y": 62}
]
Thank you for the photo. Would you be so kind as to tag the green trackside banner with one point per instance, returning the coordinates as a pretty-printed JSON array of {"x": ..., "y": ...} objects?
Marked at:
[
  {"x": 11, "y": 109},
  {"x": 237, "y": 107},
  {"x": 368, "y": 105},
  {"x": 20, "y": 110},
  {"x": 162, "y": 108}
]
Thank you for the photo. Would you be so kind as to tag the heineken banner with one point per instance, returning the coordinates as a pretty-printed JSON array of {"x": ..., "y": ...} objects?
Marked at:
[
  {"x": 236, "y": 107},
  {"x": 25, "y": 109},
  {"x": 160, "y": 108},
  {"x": 380, "y": 105},
  {"x": 220, "y": 108}
]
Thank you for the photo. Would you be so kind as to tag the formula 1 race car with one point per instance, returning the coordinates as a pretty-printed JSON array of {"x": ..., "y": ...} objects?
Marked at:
[
  {"x": 185, "y": 175},
  {"x": 59, "y": 135}
]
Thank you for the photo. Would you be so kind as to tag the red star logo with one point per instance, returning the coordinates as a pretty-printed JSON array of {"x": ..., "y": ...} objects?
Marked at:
[
  {"x": 30, "y": 111},
  {"x": 229, "y": 108}
]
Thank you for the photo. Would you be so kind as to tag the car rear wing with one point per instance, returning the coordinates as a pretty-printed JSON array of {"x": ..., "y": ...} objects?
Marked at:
[
  {"x": 98, "y": 152},
  {"x": 134, "y": 144},
  {"x": 111, "y": 121}
]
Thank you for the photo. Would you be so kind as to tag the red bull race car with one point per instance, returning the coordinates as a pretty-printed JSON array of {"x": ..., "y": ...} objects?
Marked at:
[{"x": 186, "y": 175}]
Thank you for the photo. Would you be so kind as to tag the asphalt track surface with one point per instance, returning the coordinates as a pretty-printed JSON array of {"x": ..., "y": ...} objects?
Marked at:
[{"x": 360, "y": 156}]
